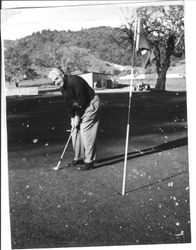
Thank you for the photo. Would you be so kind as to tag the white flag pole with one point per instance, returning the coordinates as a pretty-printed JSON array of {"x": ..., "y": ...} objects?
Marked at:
[
  {"x": 137, "y": 34},
  {"x": 129, "y": 108}
]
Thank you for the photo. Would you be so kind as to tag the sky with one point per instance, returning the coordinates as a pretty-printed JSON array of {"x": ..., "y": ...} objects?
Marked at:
[
  {"x": 22, "y": 18},
  {"x": 22, "y": 22}
]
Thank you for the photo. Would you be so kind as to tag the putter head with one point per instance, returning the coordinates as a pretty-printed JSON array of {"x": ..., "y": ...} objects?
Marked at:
[{"x": 56, "y": 168}]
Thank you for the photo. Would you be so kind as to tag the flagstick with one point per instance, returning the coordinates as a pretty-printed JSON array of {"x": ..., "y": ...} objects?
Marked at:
[
  {"x": 127, "y": 135},
  {"x": 128, "y": 120}
]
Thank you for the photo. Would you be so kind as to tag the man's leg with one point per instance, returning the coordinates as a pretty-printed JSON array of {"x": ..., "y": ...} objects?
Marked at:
[
  {"x": 89, "y": 134},
  {"x": 77, "y": 144},
  {"x": 89, "y": 129}
]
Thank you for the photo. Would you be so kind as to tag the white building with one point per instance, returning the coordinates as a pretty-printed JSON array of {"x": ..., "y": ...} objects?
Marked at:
[{"x": 98, "y": 80}]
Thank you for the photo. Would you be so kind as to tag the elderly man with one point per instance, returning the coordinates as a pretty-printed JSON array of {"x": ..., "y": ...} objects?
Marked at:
[{"x": 84, "y": 108}]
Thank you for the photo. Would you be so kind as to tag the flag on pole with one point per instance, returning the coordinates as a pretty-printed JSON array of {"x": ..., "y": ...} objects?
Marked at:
[{"x": 142, "y": 46}]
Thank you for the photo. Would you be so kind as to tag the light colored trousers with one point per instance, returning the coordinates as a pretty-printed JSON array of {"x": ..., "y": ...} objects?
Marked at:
[{"x": 84, "y": 140}]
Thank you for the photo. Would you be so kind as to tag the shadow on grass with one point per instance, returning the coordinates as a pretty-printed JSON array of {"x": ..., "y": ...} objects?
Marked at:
[
  {"x": 155, "y": 182},
  {"x": 131, "y": 155}
]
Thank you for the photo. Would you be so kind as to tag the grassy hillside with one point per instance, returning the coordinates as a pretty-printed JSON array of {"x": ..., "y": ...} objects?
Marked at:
[{"x": 84, "y": 50}]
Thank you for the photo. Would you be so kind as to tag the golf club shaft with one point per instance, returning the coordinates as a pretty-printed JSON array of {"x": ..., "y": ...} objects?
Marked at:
[
  {"x": 61, "y": 158},
  {"x": 65, "y": 147}
]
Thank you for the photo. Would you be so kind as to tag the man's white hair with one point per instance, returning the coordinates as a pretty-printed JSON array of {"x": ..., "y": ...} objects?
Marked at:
[{"x": 54, "y": 73}]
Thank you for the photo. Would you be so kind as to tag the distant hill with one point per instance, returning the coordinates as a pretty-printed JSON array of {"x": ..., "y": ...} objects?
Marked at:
[
  {"x": 93, "y": 49},
  {"x": 88, "y": 49}
]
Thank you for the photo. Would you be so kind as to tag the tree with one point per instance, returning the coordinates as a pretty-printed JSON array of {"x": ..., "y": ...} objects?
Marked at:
[
  {"x": 17, "y": 65},
  {"x": 164, "y": 29},
  {"x": 76, "y": 59}
]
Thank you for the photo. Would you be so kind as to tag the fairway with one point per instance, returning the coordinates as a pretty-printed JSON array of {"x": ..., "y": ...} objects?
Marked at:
[{"x": 74, "y": 208}]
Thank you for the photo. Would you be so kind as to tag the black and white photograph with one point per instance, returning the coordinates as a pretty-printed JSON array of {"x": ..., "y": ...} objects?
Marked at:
[{"x": 96, "y": 139}]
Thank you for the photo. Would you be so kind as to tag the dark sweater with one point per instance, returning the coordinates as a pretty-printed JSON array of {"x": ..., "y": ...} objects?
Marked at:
[{"x": 77, "y": 93}]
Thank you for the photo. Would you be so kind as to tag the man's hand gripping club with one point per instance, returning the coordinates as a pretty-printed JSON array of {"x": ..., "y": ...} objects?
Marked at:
[{"x": 75, "y": 122}]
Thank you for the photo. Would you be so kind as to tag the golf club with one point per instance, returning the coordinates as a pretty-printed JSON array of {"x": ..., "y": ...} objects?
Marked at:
[{"x": 61, "y": 158}]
